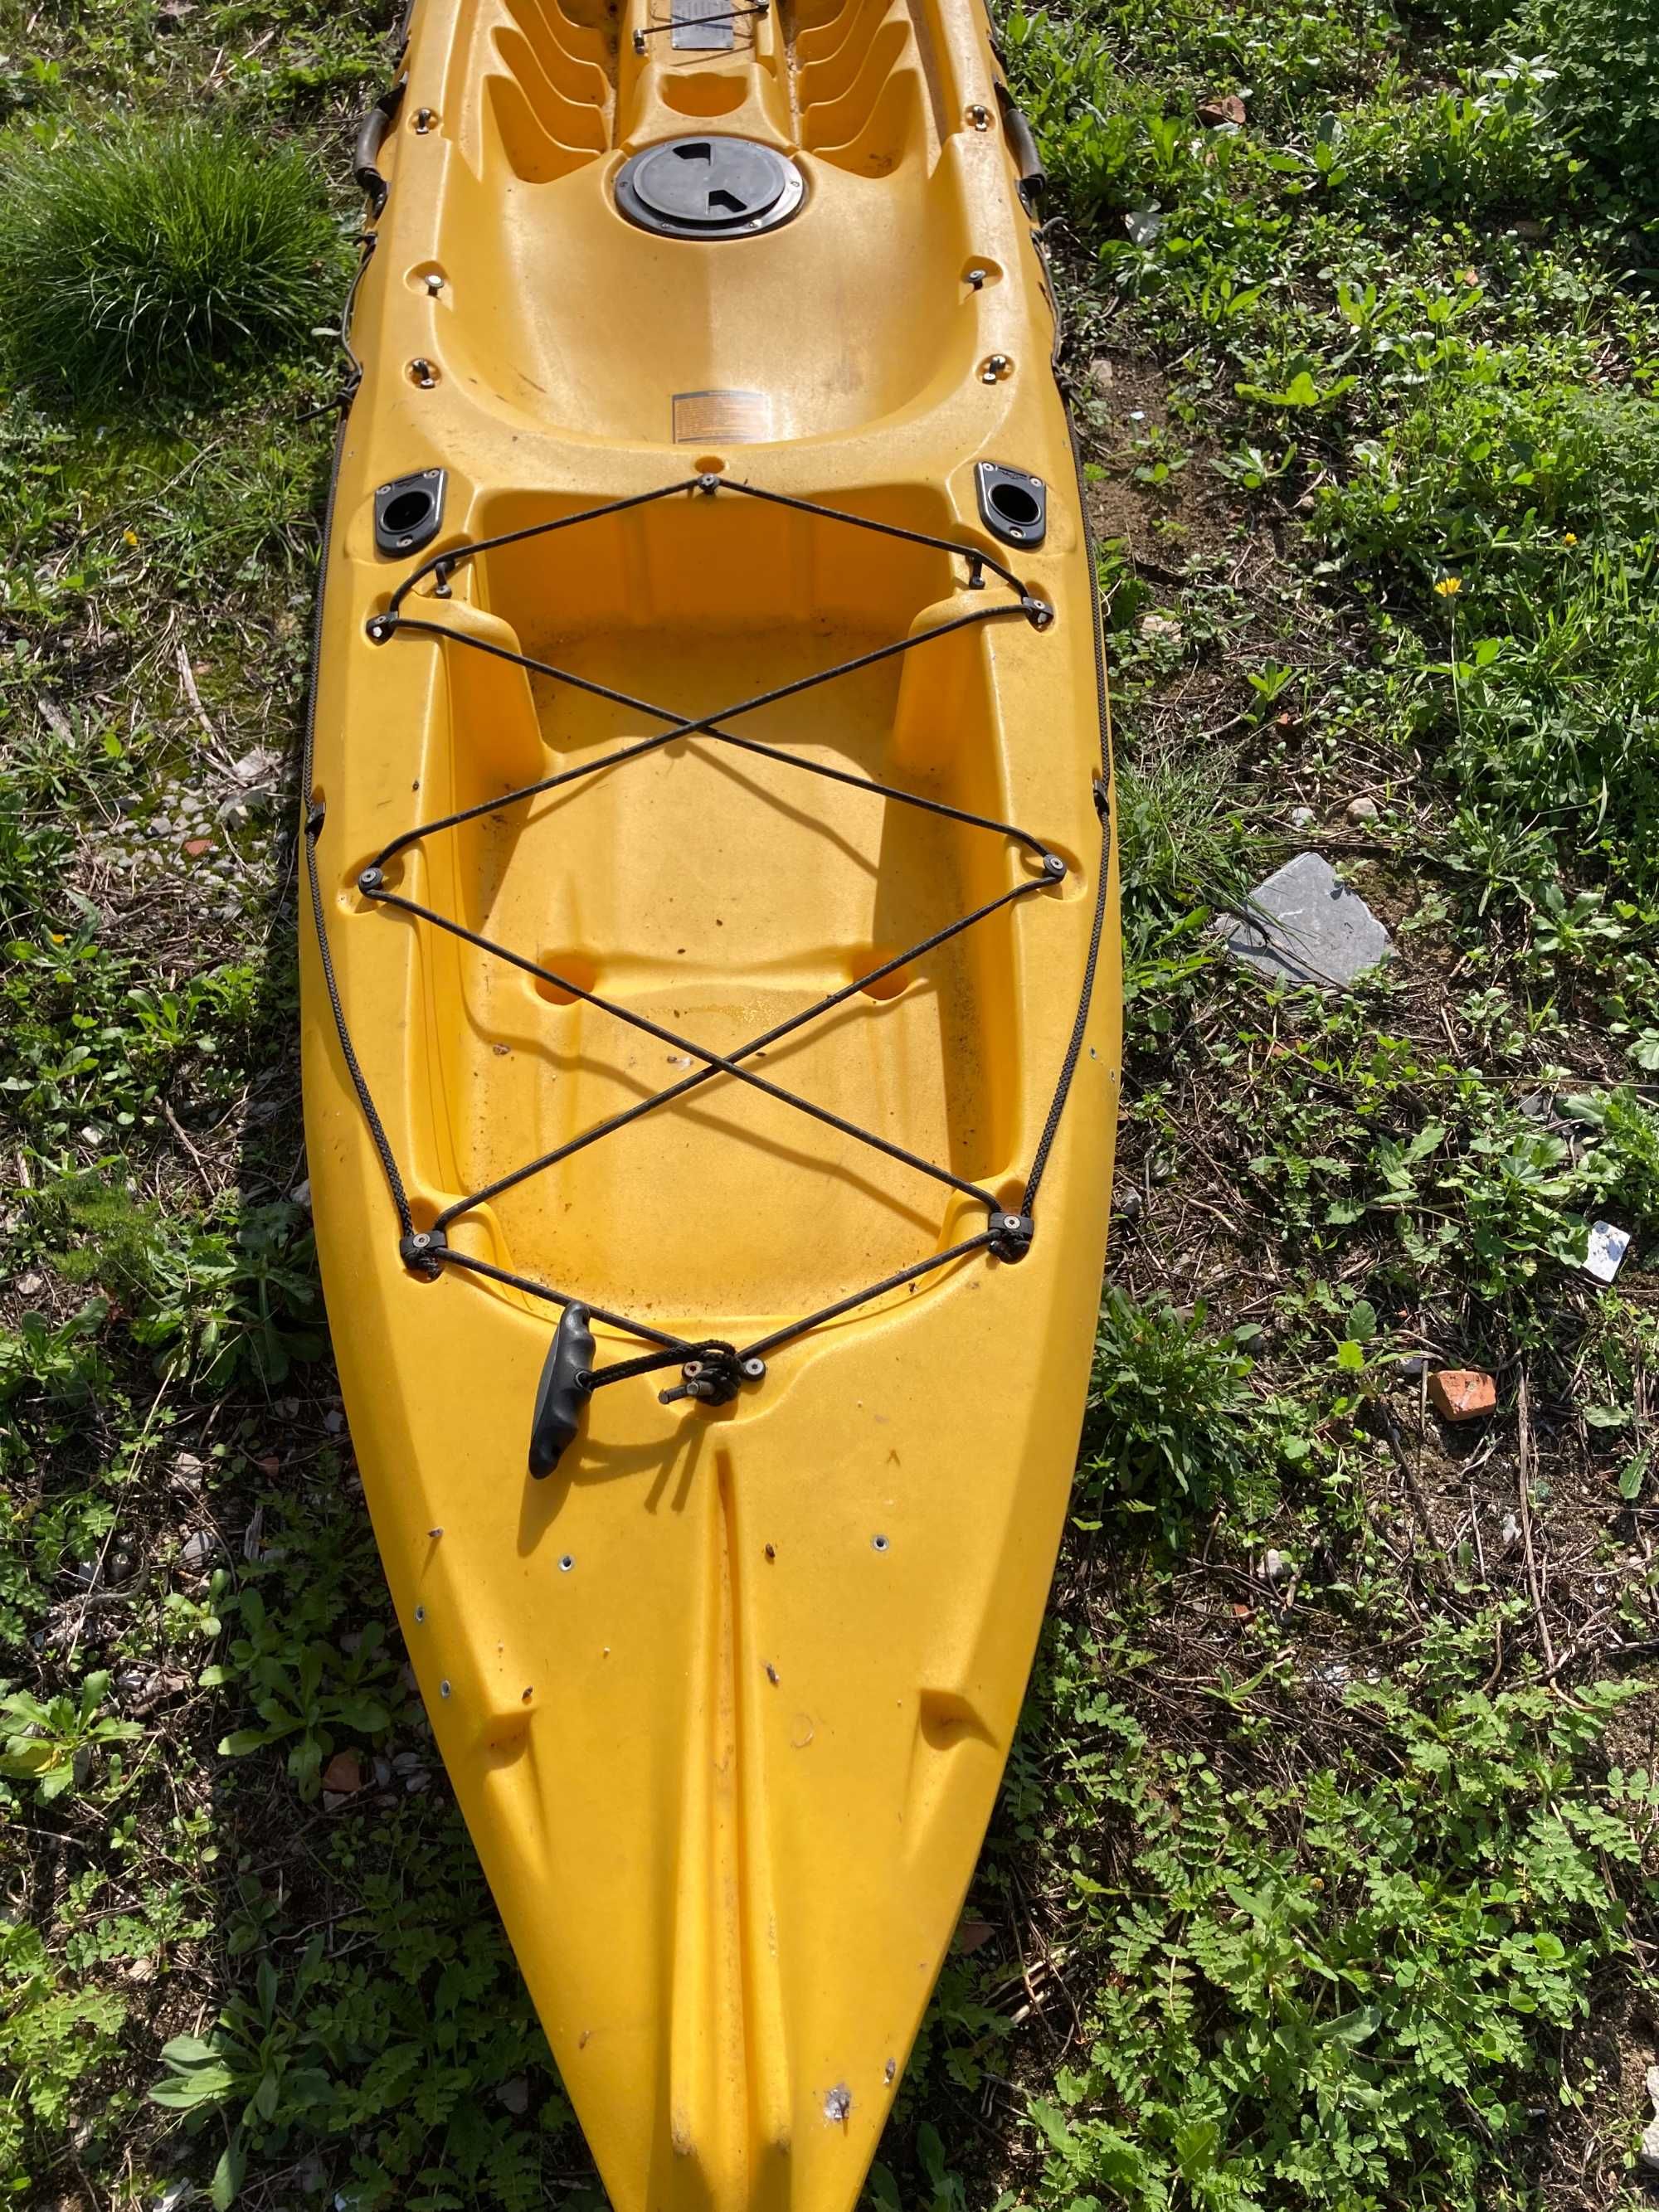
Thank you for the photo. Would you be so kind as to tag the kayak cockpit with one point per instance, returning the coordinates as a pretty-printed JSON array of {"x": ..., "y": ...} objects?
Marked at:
[{"x": 711, "y": 890}]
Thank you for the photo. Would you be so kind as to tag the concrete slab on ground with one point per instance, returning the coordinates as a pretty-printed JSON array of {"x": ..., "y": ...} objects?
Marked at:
[{"x": 1305, "y": 926}]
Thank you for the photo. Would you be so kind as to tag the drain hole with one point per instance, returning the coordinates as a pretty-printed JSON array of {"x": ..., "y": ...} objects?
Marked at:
[
  {"x": 408, "y": 510},
  {"x": 1014, "y": 504}
]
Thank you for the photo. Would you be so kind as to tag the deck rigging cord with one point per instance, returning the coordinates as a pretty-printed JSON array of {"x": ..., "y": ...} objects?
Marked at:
[{"x": 712, "y": 1368}]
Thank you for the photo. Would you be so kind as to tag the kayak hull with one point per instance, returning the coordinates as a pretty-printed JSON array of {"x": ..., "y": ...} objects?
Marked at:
[{"x": 725, "y": 1699}]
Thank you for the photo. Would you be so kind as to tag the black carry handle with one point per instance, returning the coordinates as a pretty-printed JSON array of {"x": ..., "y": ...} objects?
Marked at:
[
  {"x": 1023, "y": 145},
  {"x": 566, "y": 1385},
  {"x": 371, "y": 136}
]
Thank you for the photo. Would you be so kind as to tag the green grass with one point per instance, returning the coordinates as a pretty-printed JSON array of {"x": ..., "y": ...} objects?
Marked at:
[
  {"x": 151, "y": 255},
  {"x": 1324, "y": 1874}
]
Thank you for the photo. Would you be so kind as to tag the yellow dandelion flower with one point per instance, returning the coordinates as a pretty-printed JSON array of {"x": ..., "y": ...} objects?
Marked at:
[
  {"x": 1450, "y": 586},
  {"x": 129, "y": 537},
  {"x": 1568, "y": 537}
]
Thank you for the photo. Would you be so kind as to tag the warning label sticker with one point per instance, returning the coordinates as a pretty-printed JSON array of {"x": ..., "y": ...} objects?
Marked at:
[{"x": 728, "y": 418}]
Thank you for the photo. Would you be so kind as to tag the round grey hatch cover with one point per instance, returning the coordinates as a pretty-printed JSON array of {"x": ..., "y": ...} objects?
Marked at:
[{"x": 710, "y": 187}]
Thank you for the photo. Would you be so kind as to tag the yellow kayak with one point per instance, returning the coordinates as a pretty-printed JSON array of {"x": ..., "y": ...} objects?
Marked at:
[{"x": 711, "y": 1011}]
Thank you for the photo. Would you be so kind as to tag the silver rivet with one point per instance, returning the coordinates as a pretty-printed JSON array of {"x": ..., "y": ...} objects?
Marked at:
[
  {"x": 566, "y": 1563},
  {"x": 443, "y": 1689},
  {"x": 879, "y": 1543},
  {"x": 419, "y": 1614}
]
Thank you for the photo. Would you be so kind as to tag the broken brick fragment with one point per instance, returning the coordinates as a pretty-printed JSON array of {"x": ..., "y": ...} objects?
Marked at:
[
  {"x": 1462, "y": 1394},
  {"x": 344, "y": 1775}
]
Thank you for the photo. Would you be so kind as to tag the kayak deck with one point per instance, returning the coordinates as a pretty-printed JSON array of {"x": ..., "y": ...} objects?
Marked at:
[{"x": 871, "y": 94}]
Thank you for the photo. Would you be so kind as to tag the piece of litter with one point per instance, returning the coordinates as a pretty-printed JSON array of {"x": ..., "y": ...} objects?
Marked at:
[
  {"x": 838, "y": 2103},
  {"x": 1303, "y": 926},
  {"x": 1607, "y": 1247},
  {"x": 1649, "y": 2150},
  {"x": 197, "y": 1550},
  {"x": 1462, "y": 1394}
]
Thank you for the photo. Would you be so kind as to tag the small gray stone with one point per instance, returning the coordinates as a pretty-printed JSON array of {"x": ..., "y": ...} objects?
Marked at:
[
  {"x": 1303, "y": 818},
  {"x": 1362, "y": 810},
  {"x": 261, "y": 765},
  {"x": 1305, "y": 927},
  {"x": 196, "y": 1553},
  {"x": 1649, "y": 2153}
]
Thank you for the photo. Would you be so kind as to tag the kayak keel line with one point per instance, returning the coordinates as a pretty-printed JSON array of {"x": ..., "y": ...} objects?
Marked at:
[{"x": 710, "y": 1014}]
